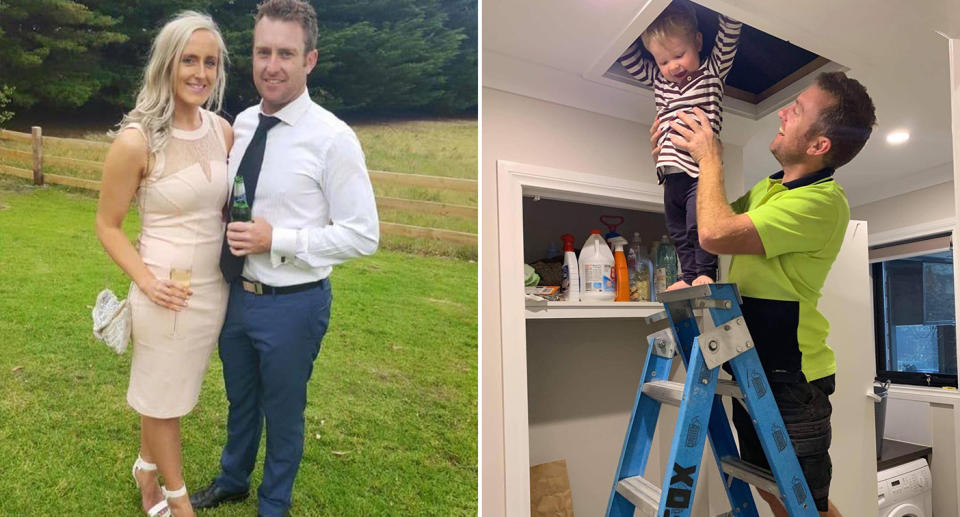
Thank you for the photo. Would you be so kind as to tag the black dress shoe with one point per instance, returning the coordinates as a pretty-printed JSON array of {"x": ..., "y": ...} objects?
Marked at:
[{"x": 214, "y": 496}]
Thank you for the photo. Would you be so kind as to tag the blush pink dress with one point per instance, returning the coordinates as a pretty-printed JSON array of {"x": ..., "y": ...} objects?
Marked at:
[{"x": 180, "y": 202}]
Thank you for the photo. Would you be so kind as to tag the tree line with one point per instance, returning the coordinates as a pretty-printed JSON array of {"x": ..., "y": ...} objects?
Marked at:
[{"x": 376, "y": 57}]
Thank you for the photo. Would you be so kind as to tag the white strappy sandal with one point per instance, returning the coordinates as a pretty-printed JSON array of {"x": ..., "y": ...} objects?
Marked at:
[
  {"x": 161, "y": 509},
  {"x": 173, "y": 494}
]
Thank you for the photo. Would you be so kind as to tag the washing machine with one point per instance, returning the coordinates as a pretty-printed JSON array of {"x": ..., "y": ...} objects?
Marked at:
[{"x": 904, "y": 490}]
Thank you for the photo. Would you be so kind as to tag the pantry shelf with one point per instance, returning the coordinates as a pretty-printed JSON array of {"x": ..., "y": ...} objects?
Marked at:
[{"x": 558, "y": 310}]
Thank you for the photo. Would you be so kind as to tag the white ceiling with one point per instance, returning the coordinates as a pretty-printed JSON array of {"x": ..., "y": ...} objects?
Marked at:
[{"x": 552, "y": 49}]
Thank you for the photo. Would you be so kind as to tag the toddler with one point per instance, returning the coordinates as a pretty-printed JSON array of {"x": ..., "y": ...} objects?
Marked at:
[{"x": 680, "y": 82}]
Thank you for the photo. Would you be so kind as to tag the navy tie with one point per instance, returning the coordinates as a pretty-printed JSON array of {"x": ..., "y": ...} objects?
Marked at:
[{"x": 231, "y": 265}]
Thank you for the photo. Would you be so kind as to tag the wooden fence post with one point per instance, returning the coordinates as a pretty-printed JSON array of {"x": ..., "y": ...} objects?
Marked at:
[{"x": 37, "y": 155}]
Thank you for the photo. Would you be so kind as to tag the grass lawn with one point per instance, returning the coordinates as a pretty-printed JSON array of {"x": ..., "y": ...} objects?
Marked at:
[
  {"x": 391, "y": 424},
  {"x": 431, "y": 147}
]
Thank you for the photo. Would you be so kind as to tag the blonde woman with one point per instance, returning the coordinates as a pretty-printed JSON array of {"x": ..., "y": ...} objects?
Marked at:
[{"x": 170, "y": 154}]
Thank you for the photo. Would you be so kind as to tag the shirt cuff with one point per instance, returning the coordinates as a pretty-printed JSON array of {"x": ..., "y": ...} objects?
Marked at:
[{"x": 284, "y": 246}]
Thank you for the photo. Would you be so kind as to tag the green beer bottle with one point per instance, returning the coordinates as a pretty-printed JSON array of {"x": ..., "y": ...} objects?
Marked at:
[{"x": 239, "y": 209}]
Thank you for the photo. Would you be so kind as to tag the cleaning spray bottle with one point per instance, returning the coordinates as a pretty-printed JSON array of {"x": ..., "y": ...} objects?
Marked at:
[
  {"x": 621, "y": 273},
  {"x": 596, "y": 264},
  {"x": 612, "y": 222},
  {"x": 570, "y": 284}
]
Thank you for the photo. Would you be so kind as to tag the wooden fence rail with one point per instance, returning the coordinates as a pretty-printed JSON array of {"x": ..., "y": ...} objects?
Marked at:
[
  {"x": 412, "y": 180},
  {"x": 38, "y": 160},
  {"x": 6, "y": 134},
  {"x": 86, "y": 165},
  {"x": 418, "y": 180}
]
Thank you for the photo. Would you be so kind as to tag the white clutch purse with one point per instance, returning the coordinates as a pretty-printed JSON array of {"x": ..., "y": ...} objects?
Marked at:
[{"x": 111, "y": 321}]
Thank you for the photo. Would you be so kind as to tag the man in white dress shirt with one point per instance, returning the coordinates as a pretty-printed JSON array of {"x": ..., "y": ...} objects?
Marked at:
[{"x": 313, "y": 207}]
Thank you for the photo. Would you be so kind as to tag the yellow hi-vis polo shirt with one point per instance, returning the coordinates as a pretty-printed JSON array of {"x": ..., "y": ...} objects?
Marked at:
[{"x": 801, "y": 224}]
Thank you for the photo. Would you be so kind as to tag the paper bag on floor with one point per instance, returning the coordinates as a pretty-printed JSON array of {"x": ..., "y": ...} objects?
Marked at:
[{"x": 550, "y": 490}]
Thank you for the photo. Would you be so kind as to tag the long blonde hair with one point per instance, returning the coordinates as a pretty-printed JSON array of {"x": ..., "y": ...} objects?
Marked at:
[{"x": 155, "y": 101}]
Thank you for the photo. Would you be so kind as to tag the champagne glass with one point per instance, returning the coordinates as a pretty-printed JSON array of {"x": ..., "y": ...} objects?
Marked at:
[{"x": 182, "y": 277}]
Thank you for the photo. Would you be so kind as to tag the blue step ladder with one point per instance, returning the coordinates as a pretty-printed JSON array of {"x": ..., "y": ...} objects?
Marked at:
[{"x": 705, "y": 325}]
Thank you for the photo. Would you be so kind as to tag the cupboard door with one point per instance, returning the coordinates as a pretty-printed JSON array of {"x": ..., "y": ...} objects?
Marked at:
[{"x": 848, "y": 306}]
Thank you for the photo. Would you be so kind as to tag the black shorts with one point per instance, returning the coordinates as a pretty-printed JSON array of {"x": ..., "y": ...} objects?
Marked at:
[{"x": 805, "y": 408}]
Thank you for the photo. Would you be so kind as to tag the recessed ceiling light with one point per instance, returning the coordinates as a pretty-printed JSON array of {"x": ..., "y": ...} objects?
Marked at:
[{"x": 897, "y": 137}]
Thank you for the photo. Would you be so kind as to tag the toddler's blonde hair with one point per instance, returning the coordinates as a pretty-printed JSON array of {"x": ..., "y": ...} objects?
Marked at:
[{"x": 677, "y": 20}]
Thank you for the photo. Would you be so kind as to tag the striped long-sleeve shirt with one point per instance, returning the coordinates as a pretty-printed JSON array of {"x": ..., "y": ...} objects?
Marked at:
[{"x": 703, "y": 89}]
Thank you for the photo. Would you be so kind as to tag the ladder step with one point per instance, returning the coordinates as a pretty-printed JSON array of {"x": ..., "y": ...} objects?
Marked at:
[
  {"x": 644, "y": 495},
  {"x": 669, "y": 392},
  {"x": 729, "y": 388},
  {"x": 751, "y": 474}
]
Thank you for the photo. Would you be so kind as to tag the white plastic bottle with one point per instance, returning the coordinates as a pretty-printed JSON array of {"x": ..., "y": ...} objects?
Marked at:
[
  {"x": 571, "y": 271},
  {"x": 596, "y": 265}
]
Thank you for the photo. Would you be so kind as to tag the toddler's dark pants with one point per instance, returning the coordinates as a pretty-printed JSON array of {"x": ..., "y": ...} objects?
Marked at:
[{"x": 680, "y": 208}]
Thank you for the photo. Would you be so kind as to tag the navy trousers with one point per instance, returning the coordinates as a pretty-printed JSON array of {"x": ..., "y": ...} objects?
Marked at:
[
  {"x": 268, "y": 345},
  {"x": 680, "y": 209}
]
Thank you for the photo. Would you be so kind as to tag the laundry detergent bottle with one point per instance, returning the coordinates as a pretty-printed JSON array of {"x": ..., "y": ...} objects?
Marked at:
[{"x": 596, "y": 268}]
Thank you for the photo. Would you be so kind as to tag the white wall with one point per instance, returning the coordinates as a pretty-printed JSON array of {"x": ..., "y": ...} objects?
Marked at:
[
  {"x": 906, "y": 210},
  {"x": 908, "y": 421},
  {"x": 532, "y": 131},
  {"x": 582, "y": 381},
  {"x": 529, "y": 130}
]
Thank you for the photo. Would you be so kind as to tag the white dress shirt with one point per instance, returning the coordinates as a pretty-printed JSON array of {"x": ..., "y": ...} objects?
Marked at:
[{"x": 314, "y": 191}]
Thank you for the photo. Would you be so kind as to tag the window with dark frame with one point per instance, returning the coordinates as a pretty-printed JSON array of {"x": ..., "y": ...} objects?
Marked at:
[{"x": 914, "y": 316}]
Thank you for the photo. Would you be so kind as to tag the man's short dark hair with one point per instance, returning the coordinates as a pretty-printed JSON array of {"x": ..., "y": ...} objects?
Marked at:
[
  {"x": 848, "y": 122},
  {"x": 292, "y": 11}
]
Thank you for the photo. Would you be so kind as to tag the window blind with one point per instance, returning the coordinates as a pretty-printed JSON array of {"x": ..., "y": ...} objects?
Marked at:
[{"x": 907, "y": 249}]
